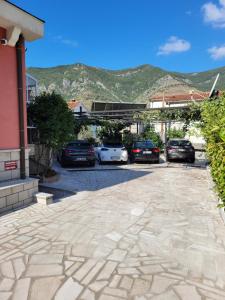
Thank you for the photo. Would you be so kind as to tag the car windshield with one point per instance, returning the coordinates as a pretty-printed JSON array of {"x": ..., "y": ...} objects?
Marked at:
[
  {"x": 113, "y": 145},
  {"x": 79, "y": 145},
  {"x": 181, "y": 143},
  {"x": 144, "y": 144}
]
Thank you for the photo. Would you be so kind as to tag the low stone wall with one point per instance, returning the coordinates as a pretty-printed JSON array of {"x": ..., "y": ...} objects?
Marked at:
[
  {"x": 17, "y": 193},
  {"x": 12, "y": 155}
]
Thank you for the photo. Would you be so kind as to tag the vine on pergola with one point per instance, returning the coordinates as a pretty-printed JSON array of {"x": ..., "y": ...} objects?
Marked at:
[{"x": 191, "y": 113}]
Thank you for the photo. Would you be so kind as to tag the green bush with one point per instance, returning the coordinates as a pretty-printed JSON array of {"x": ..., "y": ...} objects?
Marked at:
[
  {"x": 129, "y": 138},
  {"x": 176, "y": 133},
  {"x": 111, "y": 131},
  {"x": 213, "y": 128},
  {"x": 149, "y": 133}
]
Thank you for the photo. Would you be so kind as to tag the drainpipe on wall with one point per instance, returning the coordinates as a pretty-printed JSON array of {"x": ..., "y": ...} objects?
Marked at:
[{"x": 20, "y": 84}]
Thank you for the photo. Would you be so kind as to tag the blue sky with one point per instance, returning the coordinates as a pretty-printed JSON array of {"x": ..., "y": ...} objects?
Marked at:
[{"x": 177, "y": 35}]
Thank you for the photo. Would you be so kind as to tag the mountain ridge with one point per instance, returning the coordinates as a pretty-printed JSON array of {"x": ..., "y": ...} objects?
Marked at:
[{"x": 136, "y": 84}]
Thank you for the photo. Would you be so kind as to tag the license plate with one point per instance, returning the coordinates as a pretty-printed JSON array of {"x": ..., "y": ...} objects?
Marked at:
[
  {"x": 181, "y": 150},
  {"x": 147, "y": 152},
  {"x": 81, "y": 158},
  {"x": 115, "y": 158}
]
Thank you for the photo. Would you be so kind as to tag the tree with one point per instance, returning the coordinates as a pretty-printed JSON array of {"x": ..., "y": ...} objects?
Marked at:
[
  {"x": 111, "y": 131},
  {"x": 176, "y": 133},
  {"x": 149, "y": 133},
  {"x": 53, "y": 120}
]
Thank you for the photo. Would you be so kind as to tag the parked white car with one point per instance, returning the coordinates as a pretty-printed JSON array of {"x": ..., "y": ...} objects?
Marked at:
[{"x": 111, "y": 152}]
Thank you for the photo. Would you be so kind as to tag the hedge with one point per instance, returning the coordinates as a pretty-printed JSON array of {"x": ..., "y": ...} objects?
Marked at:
[{"x": 213, "y": 128}]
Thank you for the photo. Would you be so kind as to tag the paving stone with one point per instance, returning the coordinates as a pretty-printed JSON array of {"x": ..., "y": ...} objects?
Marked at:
[
  {"x": 19, "y": 267},
  {"x": 7, "y": 255},
  {"x": 137, "y": 211},
  {"x": 76, "y": 258},
  {"x": 115, "y": 281},
  {"x": 211, "y": 295},
  {"x": 85, "y": 268},
  {"x": 207, "y": 288},
  {"x": 168, "y": 275},
  {"x": 160, "y": 284},
  {"x": 115, "y": 292},
  {"x": 44, "y": 288},
  {"x": 68, "y": 263},
  {"x": 6, "y": 284},
  {"x": 21, "y": 289},
  {"x": 98, "y": 285},
  {"x": 35, "y": 247},
  {"x": 128, "y": 271},
  {"x": 220, "y": 283},
  {"x": 118, "y": 255},
  {"x": 140, "y": 287},
  {"x": 123, "y": 245},
  {"x": 115, "y": 236},
  {"x": 5, "y": 295},
  {"x": 208, "y": 282},
  {"x": 83, "y": 250},
  {"x": 107, "y": 270},
  {"x": 87, "y": 295},
  {"x": 7, "y": 269},
  {"x": 42, "y": 259},
  {"x": 126, "y": 283},
  {"x": 73, "y": 269},
  {"x": 44, "y": 270},
  {"x": 93, "y": 273},
  {"x": 187, "y": 292},
  {"x": 151, "y": 269},
  {"x": 170, "y": 295},
  {"x": 182, "y": 272},
  {"x": 102, "y": 252},
  {"x": 70, "y": 290}
]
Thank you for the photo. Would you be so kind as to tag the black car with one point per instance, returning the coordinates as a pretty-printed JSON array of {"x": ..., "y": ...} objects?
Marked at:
[
  {"x": 145, "y": 151},
  {"x": 180, "y": 149},
  {"x": 77, "y": 152}
]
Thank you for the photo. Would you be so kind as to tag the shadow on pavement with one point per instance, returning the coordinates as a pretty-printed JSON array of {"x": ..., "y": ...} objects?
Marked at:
[{"x": 74, "y": 180}]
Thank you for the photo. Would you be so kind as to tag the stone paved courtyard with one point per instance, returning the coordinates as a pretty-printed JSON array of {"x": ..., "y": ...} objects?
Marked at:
[{"x": 139, "y": 233}]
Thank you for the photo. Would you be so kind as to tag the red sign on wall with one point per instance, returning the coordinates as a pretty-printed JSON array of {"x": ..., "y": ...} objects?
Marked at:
[{"x": 10, "y": 165}]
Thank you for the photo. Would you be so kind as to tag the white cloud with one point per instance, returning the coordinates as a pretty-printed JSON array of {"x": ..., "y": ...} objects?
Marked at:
[
  {"x": 214, "y": 14},
  {"x": 65, "y": 41},
  {"x": 217, "y": 52},
  {"x": 174, "y": 45}
]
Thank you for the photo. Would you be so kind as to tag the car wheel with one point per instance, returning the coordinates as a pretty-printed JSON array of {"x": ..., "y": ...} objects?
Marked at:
[{"x": 157, "y": 161}]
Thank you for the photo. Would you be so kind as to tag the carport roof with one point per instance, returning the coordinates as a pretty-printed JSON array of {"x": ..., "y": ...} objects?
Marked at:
[{"x": 112, "y": 106}]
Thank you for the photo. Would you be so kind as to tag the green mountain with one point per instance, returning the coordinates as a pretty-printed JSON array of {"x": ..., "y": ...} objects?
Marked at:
[{"x": 86, "y": 83}]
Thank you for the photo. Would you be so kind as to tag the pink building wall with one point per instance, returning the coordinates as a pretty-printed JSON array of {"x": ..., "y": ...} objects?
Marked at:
[{"x": 9, "y": 114}]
